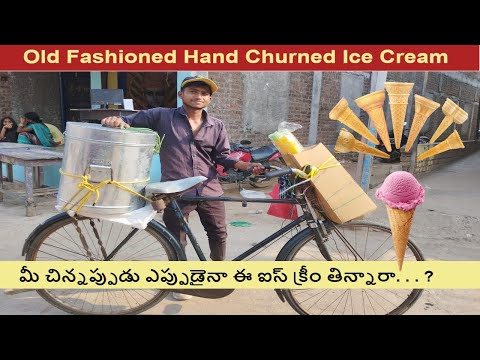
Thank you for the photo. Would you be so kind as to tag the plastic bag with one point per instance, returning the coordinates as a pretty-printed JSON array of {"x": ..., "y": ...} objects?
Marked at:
[
  {"x": 283, "y": 211},
  {"x": 284, "y": 140},
  {"x": 138, "y": 218}
]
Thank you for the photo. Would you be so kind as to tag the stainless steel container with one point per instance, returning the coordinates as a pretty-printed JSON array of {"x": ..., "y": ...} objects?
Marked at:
[{"x": 105, "y": 153}]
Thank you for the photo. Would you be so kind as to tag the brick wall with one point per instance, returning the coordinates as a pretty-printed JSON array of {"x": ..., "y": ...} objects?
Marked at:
[
  {"x": 299, "y": 103},
  {"x": 39, "y": 92},
  {"x": 328, "y": 129},
  {"x": 5, "y": 95}
]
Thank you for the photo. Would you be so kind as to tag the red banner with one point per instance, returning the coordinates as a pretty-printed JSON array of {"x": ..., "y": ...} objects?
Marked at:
[{"x": 239, "y": 57}]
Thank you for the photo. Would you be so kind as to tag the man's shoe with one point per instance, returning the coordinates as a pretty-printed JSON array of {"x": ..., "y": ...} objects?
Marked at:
[{"x": 181, "y": 297}]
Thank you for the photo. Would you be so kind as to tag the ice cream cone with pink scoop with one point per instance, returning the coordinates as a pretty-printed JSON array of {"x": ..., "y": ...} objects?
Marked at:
[{"x": 401, "y": 193}]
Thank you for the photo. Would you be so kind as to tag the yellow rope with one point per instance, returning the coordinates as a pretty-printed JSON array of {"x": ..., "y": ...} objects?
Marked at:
[
  {"x": 84, "y": 184},
  {"x": 314, "y": 170}
]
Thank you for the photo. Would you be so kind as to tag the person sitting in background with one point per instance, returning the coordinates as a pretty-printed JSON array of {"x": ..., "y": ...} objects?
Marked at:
[
  {"x": 9, "y": 130},
  {"x": 32, "y": 130},
  {"x": 56, "y": 134}
]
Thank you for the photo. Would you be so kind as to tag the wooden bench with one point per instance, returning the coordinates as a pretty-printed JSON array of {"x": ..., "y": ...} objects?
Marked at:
[{"x": 33, "y": 158}]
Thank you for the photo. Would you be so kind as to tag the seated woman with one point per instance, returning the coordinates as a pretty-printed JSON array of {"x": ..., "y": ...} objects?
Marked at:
[
  {"x": 32, "y": 130},
  {"x": 9, "y": 130}
]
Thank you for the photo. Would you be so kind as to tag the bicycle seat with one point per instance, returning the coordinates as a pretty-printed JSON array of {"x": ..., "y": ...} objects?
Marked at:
[{"x": 175, "y": 186}]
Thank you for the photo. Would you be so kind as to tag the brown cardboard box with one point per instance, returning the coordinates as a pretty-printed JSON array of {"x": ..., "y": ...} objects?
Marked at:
[{"x": 338, "y": 193}]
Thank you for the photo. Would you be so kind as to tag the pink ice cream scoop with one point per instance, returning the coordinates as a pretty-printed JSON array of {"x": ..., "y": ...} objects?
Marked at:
[{"x": 401, "y": 190}]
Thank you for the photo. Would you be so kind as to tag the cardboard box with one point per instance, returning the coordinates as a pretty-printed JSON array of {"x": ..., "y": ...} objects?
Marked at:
[{"x": 340, "y": 196}]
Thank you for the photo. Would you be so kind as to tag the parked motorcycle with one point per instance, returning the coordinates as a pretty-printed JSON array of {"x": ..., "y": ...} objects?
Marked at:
[{"x": 266, "y": 155}]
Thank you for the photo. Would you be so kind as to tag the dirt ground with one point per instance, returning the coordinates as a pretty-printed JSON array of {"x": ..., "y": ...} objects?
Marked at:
[{"x": 446, "y": 227}]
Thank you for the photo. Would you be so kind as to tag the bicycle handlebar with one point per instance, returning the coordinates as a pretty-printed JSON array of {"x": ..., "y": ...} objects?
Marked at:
[
  {"x": 276, "y": 173},
  {"x": 285, "y": 171}
]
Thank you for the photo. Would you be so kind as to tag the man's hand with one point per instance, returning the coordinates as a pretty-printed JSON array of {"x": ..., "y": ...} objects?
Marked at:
[
  {"x": 115, "y": 121},
  {"x": 256, "y": 168}
]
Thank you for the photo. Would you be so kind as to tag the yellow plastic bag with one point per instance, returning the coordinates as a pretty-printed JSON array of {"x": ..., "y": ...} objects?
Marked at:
[{"x": 56, "y": 134}]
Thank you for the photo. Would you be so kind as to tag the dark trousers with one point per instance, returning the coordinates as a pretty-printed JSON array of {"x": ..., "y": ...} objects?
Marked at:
[{"x": 212, "y": 217}]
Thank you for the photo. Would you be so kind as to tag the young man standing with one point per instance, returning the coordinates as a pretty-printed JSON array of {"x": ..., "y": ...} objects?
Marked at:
[{"x": 194, "y": 143}]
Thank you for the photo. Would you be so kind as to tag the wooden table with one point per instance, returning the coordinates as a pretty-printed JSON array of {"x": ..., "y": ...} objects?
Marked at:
[{"x": 33, "y": 158}]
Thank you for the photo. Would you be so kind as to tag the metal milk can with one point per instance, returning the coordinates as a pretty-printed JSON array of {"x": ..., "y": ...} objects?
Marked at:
[{"x": 96, "y": 155}]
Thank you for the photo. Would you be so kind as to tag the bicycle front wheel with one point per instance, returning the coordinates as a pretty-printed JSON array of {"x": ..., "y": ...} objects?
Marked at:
[
  {"x": 84, "y": 239},
  {"x": 371, "y": 242}
]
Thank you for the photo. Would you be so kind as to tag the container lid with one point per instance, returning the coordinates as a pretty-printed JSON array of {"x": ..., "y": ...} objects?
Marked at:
[{"x": 100, "y": 133}]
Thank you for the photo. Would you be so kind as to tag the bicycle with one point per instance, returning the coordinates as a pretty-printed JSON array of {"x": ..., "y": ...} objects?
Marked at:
[{"x": 313, "y": 237}]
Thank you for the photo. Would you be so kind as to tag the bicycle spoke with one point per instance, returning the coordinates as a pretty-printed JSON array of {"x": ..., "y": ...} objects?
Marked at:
[
  {"x": 92, "y": 239},
  {"x": 373, "y": 243}
]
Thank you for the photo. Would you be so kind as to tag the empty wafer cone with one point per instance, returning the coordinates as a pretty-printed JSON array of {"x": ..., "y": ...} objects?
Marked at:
[
  {"x": 346, "y": 142},
  {"x": 373, "y": 105},
  {"x": 398, "y": 94},
  {"x": 423, "y": 109},
  {"x": 453, "y": 113},
  {"x": 346, "y": 116},
  {"x": 400, "y": 224},
  {"x": 453, "y": 141}
]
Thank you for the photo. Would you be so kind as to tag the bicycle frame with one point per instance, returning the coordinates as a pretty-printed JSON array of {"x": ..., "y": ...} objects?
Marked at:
[{"x": 307, "y": 217}]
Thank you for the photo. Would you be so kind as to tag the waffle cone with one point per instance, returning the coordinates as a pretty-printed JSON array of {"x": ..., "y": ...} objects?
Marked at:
[
  {"x": 398, "y": 112},
  {"x": 398, "y": 94},
  {"x": 400, "y": 224},
  {"x": 446, "y": 122},
  {"x": 449, "y": 107},
  {"x": 373, "y": 105},
  {"x": 342, "y": 112},
  {"x": 423, "y": 109},
  {"x": 453, "y": 141},
  {"x": 346, "y": 142},
  {"x": 453, "y": 113},
  {"x": 399, "y": 88},
  {"x": 460, "y": 116}
]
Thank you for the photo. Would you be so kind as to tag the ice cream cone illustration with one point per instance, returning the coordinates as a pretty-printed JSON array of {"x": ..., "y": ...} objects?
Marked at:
[
  {"x": 400, "y": 224},
  {"x": 346, "y": 142},
  {"x": 346, "y": 116},
  {"x": 423, "y": 109},
  {"x": 398, "y": 94},
  {"x": 453, "y": 113},
  {"x": 401, "y": 193},
  {"x": 453, "y": 141},
  {"x": 373, "y": 105}
]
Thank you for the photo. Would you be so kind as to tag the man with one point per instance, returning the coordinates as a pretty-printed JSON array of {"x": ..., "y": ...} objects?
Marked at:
[{"x": 194, "y": 144}]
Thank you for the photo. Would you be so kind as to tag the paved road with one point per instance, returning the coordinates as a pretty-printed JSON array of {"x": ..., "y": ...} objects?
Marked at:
[{"x": 446, "y": 227}]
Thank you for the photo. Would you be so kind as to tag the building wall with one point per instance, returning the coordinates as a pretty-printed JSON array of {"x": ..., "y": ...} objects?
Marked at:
[
  {"x": 24, "y": 92},
  {"x": 252, "y": 104}
]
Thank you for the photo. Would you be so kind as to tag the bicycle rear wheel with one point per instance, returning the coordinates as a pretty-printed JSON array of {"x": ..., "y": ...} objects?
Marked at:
[
  {"x": 372, "y": 242},
  {"x": 61, "y": 239}
]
